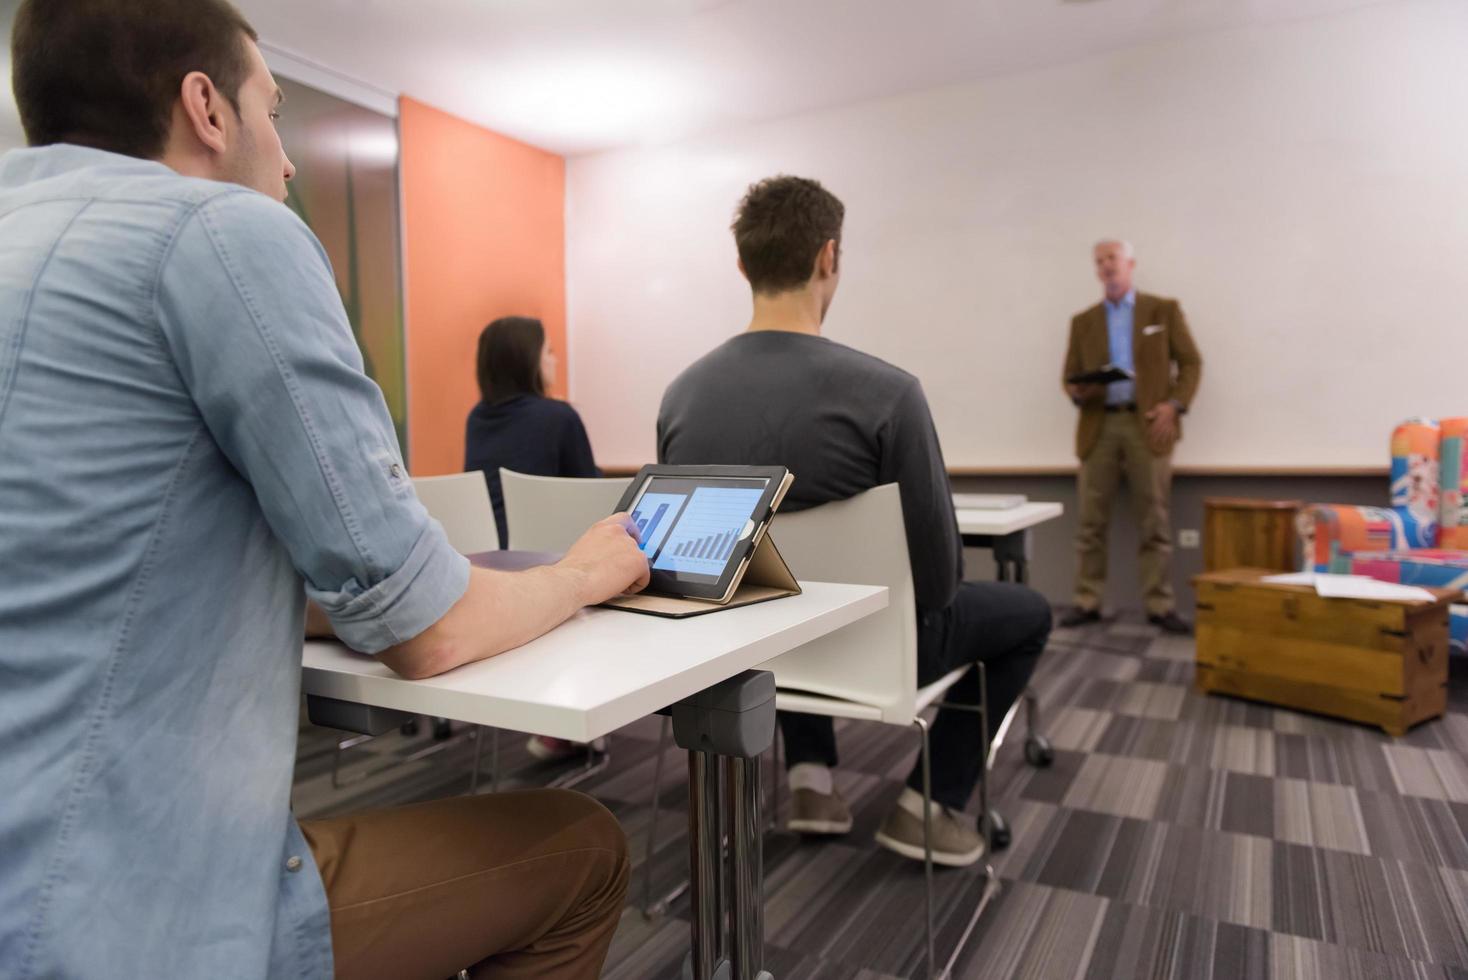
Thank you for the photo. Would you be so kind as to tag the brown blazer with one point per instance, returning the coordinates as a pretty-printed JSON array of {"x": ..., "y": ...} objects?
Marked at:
[{"x": 1167, "y": 361}]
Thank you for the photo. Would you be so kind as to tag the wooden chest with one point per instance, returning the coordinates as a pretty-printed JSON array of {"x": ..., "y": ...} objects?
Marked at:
[
  {"x": 1382, "y": 663},
  {"x": 1240, "y": 531}
]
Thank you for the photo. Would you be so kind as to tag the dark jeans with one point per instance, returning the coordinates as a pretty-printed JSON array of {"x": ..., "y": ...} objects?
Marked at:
[{"x": 1002, "y": 624}]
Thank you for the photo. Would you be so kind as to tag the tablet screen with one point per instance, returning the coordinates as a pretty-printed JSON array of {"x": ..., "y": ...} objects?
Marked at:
[{"x": 692, "y": 530}]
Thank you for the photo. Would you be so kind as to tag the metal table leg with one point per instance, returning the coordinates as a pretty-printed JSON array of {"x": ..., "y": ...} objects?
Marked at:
[
  {"x": 747, "y": 913},
  {"x": 1011, "y": 553},
  {"x": 735, "y": 722},
  {"x": 704, "y": 855}
]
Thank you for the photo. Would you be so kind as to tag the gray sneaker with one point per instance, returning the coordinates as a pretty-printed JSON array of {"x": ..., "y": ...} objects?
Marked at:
[
  {"x": 818, "y": 813},
  {"x": 956, "y": 843}
]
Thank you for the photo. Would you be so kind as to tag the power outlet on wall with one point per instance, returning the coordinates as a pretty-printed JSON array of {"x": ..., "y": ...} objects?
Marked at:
[{"x": 1188, "y": 538}]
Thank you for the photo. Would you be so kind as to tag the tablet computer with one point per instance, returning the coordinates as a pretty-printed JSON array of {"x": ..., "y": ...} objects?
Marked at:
[
  {"x": 1104, "y": 375},
  {"x": 699, "y": 525}
]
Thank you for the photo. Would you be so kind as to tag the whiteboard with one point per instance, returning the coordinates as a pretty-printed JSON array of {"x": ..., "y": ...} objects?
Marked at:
[{"x": 1302, "y": 189}]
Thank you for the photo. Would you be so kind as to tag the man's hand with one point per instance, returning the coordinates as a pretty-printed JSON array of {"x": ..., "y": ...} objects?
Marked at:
[
  {"x": 1083, "y": 393},
  {"x": 1162, "y": 426},
  {"x": 608, "y": 559},
  {"x": 501, "y": 610}
]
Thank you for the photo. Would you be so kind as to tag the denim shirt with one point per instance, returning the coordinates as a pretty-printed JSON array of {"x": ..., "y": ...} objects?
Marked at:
[{"x": 188, "y": 449}]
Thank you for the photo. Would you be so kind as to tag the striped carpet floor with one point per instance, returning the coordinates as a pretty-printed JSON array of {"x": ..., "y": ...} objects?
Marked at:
[{"x": 1175, "y": 836}]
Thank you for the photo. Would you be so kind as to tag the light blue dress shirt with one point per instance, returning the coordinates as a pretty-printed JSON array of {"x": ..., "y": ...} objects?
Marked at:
[
  {"x": 186, "y": 437},
  {"x": 1120, "y": 317}
]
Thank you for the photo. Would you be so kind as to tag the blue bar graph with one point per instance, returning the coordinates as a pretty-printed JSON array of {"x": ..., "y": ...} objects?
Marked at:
[
  {"x": 710, "y": 547},
  {"x": 703, "y": 533},
  {"x": 653, "y": 515},
  {"x": 652, "y": 525}
]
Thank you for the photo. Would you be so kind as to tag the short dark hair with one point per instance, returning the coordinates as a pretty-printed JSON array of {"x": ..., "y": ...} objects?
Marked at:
[
  {"x": 780, "y": 227},
  {"x": 106, "y": 73},
  {"x": 509, "y": 359}
]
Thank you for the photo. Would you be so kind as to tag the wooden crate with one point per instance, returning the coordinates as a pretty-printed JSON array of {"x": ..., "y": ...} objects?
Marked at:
[{"x": 1381, "y": 663}]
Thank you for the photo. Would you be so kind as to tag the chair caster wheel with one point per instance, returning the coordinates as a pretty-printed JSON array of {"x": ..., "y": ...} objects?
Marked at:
[
  {"x": 1039, "y": 752},
  {"x": 998, "y": 830}
]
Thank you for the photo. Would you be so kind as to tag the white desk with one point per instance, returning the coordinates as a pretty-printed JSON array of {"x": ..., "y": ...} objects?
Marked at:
[
  {"x": 1006, "y": 533},
  {"x": 605, "y": 668},
  {"x": 600, "y": 670}
]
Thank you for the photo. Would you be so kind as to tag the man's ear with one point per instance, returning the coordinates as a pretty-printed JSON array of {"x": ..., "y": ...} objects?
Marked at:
[
  {"x": 827, "y": 259},
  {"x": 742, "y": 272},
  {"x": 204, "y": 107}
]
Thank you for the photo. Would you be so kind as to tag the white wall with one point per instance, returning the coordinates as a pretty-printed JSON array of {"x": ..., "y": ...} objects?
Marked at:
[
  {"x": 11, "y": 135},
  {"x": 1302, "y": 188}
]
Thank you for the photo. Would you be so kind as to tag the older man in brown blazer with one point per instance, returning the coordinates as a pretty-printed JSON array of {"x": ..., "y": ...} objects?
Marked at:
[{"x": 1128, "y": 428}]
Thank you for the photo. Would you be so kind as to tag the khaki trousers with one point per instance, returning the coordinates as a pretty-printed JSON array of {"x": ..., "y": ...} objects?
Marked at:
[
  {"x": 1123, "y": 449},
  {"x": 509, "y": 885}
]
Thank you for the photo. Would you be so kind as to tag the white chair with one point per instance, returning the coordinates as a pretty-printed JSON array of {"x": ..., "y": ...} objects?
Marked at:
[
  {"x": 868, "y": 670},
  {"x": 548, "y": 513},
  {"x": 460, "y": 502}
]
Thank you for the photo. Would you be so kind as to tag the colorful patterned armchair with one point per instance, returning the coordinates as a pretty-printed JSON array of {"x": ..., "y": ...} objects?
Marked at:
[{"x": 1422, "y": 539}]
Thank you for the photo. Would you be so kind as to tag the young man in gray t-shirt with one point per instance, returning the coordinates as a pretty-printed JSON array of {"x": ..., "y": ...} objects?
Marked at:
[{"x": 845, "y": 422}]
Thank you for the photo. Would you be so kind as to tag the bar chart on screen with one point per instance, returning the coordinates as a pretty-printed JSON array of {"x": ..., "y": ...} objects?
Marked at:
[
  {"x": 708, "y": 530},
  {"x": 654, "y": 515}
]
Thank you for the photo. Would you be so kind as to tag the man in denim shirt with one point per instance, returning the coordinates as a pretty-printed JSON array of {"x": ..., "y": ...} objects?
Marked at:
[{"x": 186, "y": 436}]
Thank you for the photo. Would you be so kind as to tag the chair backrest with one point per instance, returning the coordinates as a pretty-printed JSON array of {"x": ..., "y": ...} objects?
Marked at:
[
  {"x": 1416, "y": 493},
  {"x": 1430, "y": 481},
  {"x": 460, "y": 502},
  {"x": 548, "y": 513},
  {"x": 1454, "y": 479},
  {"x": 874, "y": 661}
]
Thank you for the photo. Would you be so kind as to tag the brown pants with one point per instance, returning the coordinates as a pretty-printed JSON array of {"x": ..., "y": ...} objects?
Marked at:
[
  {"x": 510, "y": 885},
  {"x": 1123, "y": 450}
]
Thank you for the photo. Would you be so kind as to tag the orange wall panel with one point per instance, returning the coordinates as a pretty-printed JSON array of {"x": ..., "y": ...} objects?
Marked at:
[{"x": 483, "y": 237}]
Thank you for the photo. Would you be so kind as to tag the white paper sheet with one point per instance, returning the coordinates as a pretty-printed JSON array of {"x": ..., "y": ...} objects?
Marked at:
[
  {"x": 1360, "y": 587},
  {"x": 1290, "y": 578}
]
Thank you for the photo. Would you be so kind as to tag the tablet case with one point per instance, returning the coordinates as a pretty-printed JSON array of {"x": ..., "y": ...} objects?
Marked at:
[{"x": 765, "y": 577}]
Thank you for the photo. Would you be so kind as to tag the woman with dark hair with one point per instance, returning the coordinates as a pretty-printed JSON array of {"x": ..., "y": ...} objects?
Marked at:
[{"x": 515, "y": 425}]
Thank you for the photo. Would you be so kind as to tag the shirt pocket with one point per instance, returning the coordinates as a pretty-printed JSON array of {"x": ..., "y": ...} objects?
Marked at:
[{"x": 1153, "y": 343}]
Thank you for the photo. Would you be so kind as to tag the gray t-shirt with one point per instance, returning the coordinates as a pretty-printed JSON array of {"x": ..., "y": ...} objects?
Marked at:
[{"x": 840, "y": 420}]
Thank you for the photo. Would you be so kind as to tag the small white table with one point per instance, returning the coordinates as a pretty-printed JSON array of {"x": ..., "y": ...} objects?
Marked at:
[
  {"x": 601, "y": 669},
  {"x": 606, "y": 668},
  {"x": 1007, "y": 533}
]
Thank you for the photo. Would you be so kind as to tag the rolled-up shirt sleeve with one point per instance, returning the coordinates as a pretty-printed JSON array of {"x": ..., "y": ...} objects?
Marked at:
[{"x": 246, "y": 303}]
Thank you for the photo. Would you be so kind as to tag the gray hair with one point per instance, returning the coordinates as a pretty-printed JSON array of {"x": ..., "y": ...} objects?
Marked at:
[{"x": 1126, "y": 246}]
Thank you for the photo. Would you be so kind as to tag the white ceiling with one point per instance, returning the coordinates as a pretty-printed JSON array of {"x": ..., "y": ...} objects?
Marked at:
[{"x": 575, "y": 76}]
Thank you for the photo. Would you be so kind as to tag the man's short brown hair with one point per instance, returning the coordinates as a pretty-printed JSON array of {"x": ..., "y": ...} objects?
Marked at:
[
  {"x": 780, "y": 228},
  {"x": 106, "y": 73}
]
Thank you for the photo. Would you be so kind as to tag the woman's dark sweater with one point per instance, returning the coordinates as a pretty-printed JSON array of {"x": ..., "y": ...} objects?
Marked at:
[{"x": 527, "y": 434}]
